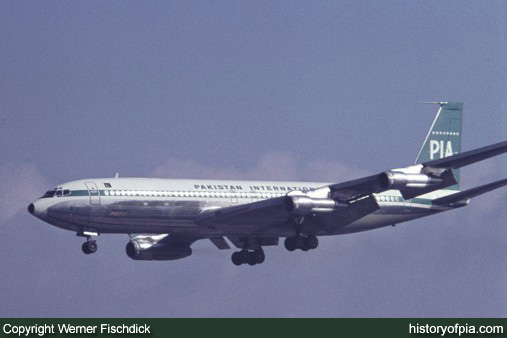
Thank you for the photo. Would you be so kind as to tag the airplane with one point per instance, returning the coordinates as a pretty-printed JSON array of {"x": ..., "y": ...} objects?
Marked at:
[{"x": 164, "y": 217}]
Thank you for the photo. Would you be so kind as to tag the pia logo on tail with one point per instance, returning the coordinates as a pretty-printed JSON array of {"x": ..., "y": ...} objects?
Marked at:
[{"x": 441, "y": 148}]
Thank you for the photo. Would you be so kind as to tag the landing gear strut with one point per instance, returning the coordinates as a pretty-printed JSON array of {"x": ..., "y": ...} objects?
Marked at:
[
  {"x": 299, "y": 241},
  {"x": 250, "y": 257}
]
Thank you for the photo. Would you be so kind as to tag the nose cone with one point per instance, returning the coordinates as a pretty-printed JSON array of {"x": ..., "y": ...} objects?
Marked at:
[{"x": 37, "y": 209}]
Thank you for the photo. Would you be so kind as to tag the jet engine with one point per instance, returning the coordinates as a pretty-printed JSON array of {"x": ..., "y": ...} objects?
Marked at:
[
  {"x": 306, "y": 205},
  {"x": 399, "y": 180},
  {"x": 145, "y": 249}
]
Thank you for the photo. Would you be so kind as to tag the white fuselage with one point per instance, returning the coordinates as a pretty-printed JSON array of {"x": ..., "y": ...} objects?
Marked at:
[{"x": 144, "y": 205}]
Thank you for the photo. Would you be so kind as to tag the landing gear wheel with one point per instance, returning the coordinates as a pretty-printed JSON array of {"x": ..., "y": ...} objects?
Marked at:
[
  {"x": 84, "y": 247},
  {"x": 300, "y": 241},
  {"x": 290, "y": 244},
  {"x": 312, "y": 242},
  {"x": 251, "y": 259},
  {"x": 89, "y": 247},
  {"x": 259, "y": 256},
  {"x": 244, "y": 254},
  {"x": 236, "y": 258}
]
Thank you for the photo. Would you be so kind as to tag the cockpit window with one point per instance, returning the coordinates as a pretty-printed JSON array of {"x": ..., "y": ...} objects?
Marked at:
[
  {"x": 58, "y": 192},
  {"x": 49, "y": 193}
]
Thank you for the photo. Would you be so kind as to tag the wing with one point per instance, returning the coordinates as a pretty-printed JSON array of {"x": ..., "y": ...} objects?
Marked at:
[
  {"x": 441, "y": 168},
  {"x": 375, "y": 183},
  {"x": 343, "y": 203},
  {"x": 468, "y": 157},
  {"x": 337, "y": 205}
]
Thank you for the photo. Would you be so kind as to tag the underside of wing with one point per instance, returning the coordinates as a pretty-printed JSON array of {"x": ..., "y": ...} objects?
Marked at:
[
  {"x": 320, "y": 208},
  {"x": 340, "y": 218},
  {"x": 263, "y": 213}
]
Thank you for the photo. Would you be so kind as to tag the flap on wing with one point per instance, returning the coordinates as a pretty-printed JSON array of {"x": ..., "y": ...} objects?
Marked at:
[
  {"x": 466, "y": 194},
  {"x": 340, "y": 218},
  {"x": 238, "y": 243},
  {"x": 220, "y": 243},
  {"x": 261, "y": 241},
  {"x": 355, "y": 188}
]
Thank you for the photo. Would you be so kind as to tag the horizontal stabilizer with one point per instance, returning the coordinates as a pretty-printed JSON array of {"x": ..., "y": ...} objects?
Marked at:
[
  {"x": 468, "y": 157},
  {"x": 464, "y": 195}
]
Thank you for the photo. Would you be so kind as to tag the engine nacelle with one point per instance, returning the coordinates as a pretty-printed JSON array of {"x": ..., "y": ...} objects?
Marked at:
[
  {"x": 305, "y": 205},
  {"x": 399, "y": 180},
  {"x": 144, "y": 250}
]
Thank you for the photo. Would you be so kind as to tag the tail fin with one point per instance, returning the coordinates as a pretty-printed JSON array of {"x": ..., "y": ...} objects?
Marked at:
[{"x": 444, "y": 137}]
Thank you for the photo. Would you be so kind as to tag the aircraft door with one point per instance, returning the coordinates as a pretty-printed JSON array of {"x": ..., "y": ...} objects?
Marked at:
[{"x": 93, "y": 191}]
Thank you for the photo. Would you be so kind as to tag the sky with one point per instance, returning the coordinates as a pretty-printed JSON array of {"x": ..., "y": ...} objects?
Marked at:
[{"x": 283, "y": 90}]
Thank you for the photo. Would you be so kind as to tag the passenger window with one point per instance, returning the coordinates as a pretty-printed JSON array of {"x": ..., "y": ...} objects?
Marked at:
[
  {"x": 66, "y": 192},
  {"x": 59, "y": 193}
]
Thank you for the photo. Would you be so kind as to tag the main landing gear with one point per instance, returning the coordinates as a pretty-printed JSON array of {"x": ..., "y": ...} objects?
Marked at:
[
  {"x": 250, "y": 257},
  {"x": 299, "y": 241},
  {"x": 90, "y": 246}
]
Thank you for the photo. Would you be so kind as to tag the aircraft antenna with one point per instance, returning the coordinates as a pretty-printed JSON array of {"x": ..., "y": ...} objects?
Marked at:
[{"x": 432, "y": 102}]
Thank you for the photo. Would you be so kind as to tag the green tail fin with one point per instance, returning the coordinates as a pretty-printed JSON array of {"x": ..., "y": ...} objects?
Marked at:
[{"x": 444, "y": 137}]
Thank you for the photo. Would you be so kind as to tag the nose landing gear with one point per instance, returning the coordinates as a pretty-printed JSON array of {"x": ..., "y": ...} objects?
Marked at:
[{"x": 90, "y": 246}]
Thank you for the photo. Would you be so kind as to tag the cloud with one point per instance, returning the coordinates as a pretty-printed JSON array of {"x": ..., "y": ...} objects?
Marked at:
[
  {"x": 270, "y": 166},
  {"x": 21, "y": 184}
]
